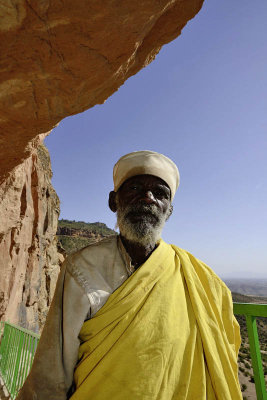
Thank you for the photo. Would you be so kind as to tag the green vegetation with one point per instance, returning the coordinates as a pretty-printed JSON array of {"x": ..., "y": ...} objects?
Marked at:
[
  {"x": 74, "y": 235},
  {"x": 94, "y": 227},
  {"x": 243, "y": 387},
  {"x": 72, "y": 244}
]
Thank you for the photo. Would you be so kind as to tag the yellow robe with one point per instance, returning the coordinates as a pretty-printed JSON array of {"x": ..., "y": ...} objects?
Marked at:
[{"x": 167, "y": 333}]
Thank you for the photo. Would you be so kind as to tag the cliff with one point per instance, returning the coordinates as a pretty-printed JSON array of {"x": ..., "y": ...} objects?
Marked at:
[{"x": 29, "y": 259}]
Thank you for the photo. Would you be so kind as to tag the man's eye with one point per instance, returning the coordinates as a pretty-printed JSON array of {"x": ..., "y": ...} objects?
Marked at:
[{"x": 161, "y": 193}]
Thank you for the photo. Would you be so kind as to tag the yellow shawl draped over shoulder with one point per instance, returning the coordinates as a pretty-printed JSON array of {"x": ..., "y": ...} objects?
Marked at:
[{"x": 167, "y": 333}]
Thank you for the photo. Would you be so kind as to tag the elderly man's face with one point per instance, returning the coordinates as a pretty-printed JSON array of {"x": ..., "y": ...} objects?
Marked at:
[{"x": 143, "y": 204}]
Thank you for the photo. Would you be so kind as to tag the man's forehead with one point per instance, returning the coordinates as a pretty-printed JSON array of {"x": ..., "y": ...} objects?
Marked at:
[{"x": 146, "y": 179}]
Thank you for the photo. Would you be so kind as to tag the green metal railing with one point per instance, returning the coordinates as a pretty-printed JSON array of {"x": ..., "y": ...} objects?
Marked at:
[
  {"x": 17, "y": 351},
  {"x": 18, "y": 347},
  {"x": 2, "y": 324},
  {"x": 251, "y": 312}
]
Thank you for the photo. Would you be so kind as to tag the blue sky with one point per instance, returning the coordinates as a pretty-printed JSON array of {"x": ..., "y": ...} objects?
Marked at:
[{"x": 203, "y": 103}]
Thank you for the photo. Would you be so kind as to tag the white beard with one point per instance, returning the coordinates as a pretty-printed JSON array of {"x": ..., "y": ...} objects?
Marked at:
[{"x": 145, "y": 231}]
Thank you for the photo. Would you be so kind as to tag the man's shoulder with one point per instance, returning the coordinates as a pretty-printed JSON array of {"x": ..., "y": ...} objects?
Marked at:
[
  {"x": 86, "y": 265},
  {"x": 203, "y": 271},
  {"x": 95, "y": 250}
]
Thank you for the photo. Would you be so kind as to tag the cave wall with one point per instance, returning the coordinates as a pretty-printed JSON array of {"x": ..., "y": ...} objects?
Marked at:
[{"x": 30, "y": 261}]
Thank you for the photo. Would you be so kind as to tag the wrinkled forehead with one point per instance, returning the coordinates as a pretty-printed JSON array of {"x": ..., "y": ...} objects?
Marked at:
[{"x": 145, "y": 179}]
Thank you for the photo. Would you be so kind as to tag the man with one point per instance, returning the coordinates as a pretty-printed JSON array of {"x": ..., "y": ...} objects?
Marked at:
[{"x": 133, "y": 317}]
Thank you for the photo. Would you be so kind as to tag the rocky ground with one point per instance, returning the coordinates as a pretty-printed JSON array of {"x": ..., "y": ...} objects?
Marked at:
[
  {"x": 246, "y": 379},
  {"x": 3, "y": 392}
]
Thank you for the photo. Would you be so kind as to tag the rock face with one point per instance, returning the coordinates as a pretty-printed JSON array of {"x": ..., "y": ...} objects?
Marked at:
[
  {"x": 61, "y": 58},
  {"x": 29, "y": 259},
  {"x": 78, "y": 233}
]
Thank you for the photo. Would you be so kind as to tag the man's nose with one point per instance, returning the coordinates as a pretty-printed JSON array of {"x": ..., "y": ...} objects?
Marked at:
[{"x": 148, "y": 197}]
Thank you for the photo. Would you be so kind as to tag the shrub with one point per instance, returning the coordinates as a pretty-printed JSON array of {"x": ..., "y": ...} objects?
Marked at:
[{"x": 243, "y": 387}]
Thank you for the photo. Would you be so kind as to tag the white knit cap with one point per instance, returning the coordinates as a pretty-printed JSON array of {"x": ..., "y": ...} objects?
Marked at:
[{"x": 146, "y": 162}]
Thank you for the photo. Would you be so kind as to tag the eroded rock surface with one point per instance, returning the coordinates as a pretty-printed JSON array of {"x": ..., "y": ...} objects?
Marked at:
[
  {"x": 29, "y": 260},
  {"x": 59, "y": 58}
]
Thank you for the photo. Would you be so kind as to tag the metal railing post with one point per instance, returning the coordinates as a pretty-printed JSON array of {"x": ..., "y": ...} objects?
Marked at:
[
  {"x": 251, "y": 311},
  {"x": 13, "y": 386},
  {"x": 256, "y": 357}
]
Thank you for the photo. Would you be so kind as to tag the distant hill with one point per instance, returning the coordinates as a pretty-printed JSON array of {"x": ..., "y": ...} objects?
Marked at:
[
  {"x": 74, "y": 235},
  {"x": 250, "y": 287}
]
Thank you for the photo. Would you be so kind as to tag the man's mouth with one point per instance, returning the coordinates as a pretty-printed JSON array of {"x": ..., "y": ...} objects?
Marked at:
[{"x": 142, "y": 215}]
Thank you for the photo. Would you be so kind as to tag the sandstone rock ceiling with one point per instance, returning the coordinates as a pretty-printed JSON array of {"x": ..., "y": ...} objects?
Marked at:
[{"x": 59, "y": 58}]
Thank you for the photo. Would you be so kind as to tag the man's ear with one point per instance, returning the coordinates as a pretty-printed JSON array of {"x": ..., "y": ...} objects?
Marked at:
[
  {"x": 112, "y": 201},
  {"x": 169, "y": 212}
]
